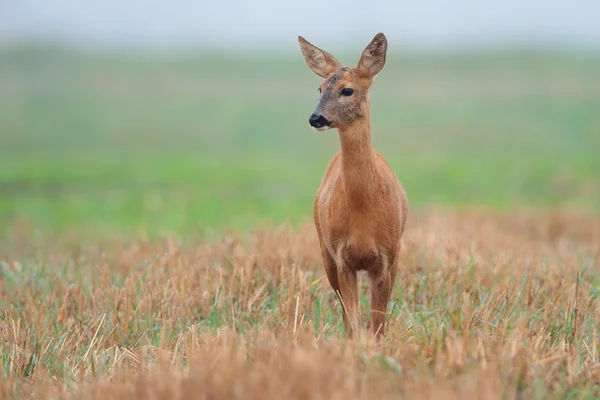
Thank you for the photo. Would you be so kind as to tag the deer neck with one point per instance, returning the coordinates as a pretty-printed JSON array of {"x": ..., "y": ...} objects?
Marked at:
[{"x": 358, "y": 162}]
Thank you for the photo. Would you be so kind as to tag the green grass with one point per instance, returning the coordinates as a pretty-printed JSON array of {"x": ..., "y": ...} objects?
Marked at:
[
  {"x": 485, "y": 305},
  {"x": 140, "y": 143}
]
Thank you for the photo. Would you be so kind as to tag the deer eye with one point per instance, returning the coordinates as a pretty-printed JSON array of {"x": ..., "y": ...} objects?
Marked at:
[
  {"x": 319, "y": 89},
  {"x": 347, "y": 92}
]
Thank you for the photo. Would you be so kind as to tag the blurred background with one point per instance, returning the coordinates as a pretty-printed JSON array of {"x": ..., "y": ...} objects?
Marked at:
[{"x": 185, "y": 116}]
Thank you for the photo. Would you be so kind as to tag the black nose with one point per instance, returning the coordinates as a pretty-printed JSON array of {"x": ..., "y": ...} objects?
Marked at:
[{"x": 318, "y": 121}]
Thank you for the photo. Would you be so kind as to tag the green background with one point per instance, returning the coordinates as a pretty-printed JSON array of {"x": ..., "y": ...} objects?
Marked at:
[{"x": 133, "y": 142}]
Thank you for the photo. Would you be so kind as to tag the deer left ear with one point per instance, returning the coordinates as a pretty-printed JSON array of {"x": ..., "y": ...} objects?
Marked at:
[{"x": 373, "y": 57}]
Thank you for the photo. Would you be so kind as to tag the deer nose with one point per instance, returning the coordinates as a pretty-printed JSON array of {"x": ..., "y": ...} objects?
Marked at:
[{"x": 318, "y": 121}]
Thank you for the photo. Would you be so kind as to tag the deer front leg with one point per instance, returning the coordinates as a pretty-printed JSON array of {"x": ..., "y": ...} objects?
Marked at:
[
  {"x": 381, "y": 289},
  {"x": 332, "y": 277},
  {"x": 349, "y": 292}
]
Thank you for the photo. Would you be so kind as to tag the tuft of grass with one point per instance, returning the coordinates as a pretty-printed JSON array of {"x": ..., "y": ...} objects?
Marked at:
[{"x": 487, "y": 305}]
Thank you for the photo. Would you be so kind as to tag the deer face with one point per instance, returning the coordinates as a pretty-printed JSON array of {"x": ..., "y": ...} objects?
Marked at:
[{"x": 345, "y": 90}]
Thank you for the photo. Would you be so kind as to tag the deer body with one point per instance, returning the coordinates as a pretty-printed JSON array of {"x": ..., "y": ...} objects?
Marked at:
[{"x": 360, "y": 209}]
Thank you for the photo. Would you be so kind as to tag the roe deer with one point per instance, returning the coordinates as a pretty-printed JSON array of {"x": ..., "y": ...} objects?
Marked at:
[{"x": 360, "y": 209}]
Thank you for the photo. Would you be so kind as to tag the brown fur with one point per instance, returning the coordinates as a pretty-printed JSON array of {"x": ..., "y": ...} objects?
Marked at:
[{"x": 360, "y": 209}]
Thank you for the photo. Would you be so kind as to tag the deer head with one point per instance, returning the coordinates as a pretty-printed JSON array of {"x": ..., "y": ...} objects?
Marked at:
[{"x": 344, "y": 90}]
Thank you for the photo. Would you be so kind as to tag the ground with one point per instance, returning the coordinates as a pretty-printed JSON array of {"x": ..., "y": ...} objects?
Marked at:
[
  {"x": 157, "y": 241},
  {"x": 485, "y": 306}
]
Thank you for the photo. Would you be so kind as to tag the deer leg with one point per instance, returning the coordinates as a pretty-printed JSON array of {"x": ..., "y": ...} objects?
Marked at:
[
  {"x": 394, "y": 270},
  {"x": 331, "y": 271},
  {"x": 332, "y": 276},
  {"x": 349, "y": 292},
  {"x": 381, "y": 288}
]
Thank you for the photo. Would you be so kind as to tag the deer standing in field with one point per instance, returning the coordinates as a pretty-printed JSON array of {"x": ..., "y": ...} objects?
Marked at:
[{"x": 360, "y": 209}]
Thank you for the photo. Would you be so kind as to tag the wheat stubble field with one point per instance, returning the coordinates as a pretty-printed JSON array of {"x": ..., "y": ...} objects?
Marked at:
[
  {"x": 487, "y": 306},
  {"x": 156, "y": 242}
]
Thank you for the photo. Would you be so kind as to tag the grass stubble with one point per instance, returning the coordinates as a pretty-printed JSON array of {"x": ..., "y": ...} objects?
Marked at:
[{"x": 487, "y": 305}]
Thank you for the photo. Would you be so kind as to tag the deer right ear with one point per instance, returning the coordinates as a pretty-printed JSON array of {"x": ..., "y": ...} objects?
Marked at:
[{"x": 319, "y": 61}]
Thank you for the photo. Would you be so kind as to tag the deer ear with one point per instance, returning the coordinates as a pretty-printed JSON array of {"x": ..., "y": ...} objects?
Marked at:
[
  {"x": 319, "y": 61},
  {"x": 373, "y": 57}
]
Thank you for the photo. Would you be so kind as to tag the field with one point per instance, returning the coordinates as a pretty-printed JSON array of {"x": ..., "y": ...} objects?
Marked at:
[{"x": 156, "y": 239}]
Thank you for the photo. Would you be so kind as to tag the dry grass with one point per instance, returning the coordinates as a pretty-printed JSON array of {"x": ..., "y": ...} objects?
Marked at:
[{"x": 487, "y": 306}]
